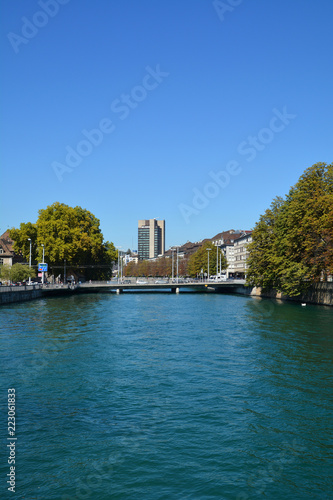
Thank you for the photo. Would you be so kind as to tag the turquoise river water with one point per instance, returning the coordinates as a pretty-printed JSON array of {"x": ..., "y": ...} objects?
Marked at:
[{"x": 159, "y": 396}]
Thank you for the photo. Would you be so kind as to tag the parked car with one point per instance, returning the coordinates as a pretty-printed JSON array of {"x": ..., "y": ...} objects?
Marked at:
[
  {"x": 142, "y": 282},
  {"x": 161, "y": 282}
]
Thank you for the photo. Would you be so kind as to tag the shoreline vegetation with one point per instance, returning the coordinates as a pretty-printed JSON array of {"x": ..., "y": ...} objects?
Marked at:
[
  {"x": 292, "y": 243},
  {"x": 291, "y": 247}
]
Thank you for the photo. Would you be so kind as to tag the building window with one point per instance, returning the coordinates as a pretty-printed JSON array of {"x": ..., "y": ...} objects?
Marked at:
[{"x": 1, "y": 261}]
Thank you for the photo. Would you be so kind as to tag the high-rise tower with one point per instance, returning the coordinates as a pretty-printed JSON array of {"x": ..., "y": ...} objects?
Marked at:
[{"x": 151, "y": 238}]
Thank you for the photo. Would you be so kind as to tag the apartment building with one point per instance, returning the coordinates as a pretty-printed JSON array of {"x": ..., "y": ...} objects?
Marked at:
[{"x": 241, "y": 254}]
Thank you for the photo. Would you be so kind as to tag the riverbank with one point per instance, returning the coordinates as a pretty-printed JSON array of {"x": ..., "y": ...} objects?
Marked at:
[
  {"x": 12, "y": 294},
  {"x": 319, "y": 293}
]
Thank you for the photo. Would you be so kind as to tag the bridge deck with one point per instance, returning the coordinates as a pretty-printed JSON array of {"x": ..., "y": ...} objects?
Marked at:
[{"x": 194, "y": 286}]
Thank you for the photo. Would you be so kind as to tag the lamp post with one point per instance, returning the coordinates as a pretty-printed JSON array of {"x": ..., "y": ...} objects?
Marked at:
[
  {"x": 177, "y": 264},
  {"x": 221, "y": 264},
  {"x": 172, "y": 252},
  {"x": 29, "y": 239},
  {"x": 43, "y": 263},
  {"x": 208, "y": 250},
  {"x": 118, "y": 267},
  {"x": 119, "y": 260},
  {"x": 217, "y": 261}
]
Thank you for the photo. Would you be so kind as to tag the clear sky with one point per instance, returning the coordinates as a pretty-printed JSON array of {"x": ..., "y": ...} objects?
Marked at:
[{"x": 193, "y": 111}]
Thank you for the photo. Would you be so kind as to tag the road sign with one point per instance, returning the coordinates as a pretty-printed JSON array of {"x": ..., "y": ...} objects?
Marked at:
[{"x": 42, "y": 267}]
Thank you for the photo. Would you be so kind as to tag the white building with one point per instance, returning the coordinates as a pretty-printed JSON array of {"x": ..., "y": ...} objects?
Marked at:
[
  {"x": 130, "y": 258},
  {"x": 241, "y": 254},
  {"x": 229, "y": 253}
]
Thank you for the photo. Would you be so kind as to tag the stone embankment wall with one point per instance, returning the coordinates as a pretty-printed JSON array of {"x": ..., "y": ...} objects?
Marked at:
[
  {"x": 11, "y": 294},
  {"x": 319, "y": 293}
]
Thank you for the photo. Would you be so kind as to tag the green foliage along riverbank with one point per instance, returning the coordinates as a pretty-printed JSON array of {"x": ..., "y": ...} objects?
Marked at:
[
  {"x": 292, "y": 243},
  {"x": 67, "y": 233}
]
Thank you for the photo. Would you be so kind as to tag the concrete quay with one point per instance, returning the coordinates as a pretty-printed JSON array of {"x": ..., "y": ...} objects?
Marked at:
[{"x": 9, "y": 294}]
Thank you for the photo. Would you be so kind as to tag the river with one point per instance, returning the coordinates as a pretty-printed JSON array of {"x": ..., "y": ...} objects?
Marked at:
[{"x": 162, "y": 396}]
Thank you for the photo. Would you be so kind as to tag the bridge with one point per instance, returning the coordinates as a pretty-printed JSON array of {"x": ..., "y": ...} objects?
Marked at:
[
  {"x": 230, "y": 286},
  {"x": 319, "y": 293},
  {"x": 21, "y": 293}
]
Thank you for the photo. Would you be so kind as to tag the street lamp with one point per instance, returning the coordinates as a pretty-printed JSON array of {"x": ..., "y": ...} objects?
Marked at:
[
  {"x": 208, "y": 250},
  {"x": 118, "y": 267},
  {"x": 221, "y": 264},
  {"x": 29, "y": 239},
  {"x": 43, "y": 263},
  {"x": 217, "y": 260},
  {"x": 177, "y": 264},
  {"x": 118, "y": 248},
  {"x": 173, "y": 254}
]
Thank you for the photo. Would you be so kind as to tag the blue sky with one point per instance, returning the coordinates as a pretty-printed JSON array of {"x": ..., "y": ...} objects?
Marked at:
[{"x": 192, "y": 111}]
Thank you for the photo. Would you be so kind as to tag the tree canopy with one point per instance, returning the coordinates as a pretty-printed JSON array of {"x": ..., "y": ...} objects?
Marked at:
[
  {"x": 199, "y": 260},
  {"x": 21, "y": 240},
  {"x": 292, "y": 244},
  {"x": 18, "y": 272},
  {"x": 70, "y": 233}
]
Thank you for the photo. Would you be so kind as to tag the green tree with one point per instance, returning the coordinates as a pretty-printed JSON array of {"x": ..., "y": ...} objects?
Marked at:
[
  {"x": 5, "y": 272},
  {"x": 21, "y": 272},
  {"x": 18, "y": 272},
  {"x": 199, "y": 260},
  {"x": 263, "y": 260},
  {"x": 21, "y": 240},
  {"x": 306, "y": 221},
  {"x": 67, "y": 233},
  {"x": 293, "y": 241},
  {"x": 110, "y": 252}
]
